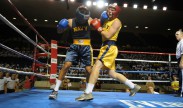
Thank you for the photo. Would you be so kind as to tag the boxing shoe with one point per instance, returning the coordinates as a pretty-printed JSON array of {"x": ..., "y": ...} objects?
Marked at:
[
  {"x": 85, "y": 97},
  {"x": 134, "y": 90},
  {"x": 53, "y": 95}
]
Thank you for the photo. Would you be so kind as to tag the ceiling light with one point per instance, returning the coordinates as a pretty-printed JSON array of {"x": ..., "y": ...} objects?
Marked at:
[
  {"x": 46, "y": 20},
  {"x": 168, "y": 29},
  {"x": 106, "y": 4},
  {"x": 135, "y": 6},
  {"x": 136, "y": 26},
  {"x": 100, "y": 4},
  {"x": 35, "y": 19},
  {"x": 94, "y": 3},
  {"x": 155, "y": 7},
  {"x": 125, "y": 5},
  {"x": 164, "y": 8},
  {"x": 145, "y": 7},
  {"x": 88, "y": 3},
  {"x": 125, "y": 26}
]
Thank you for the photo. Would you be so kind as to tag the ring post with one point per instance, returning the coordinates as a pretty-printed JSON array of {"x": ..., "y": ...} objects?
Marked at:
[{"x": 53, "y": 72}]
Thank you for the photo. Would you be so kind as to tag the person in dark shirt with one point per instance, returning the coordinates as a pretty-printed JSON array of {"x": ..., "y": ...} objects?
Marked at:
[{"x": 81, "y": 49}]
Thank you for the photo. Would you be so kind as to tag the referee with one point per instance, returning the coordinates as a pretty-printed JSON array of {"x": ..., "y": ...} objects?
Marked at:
[{"x": 179, "y": 56}]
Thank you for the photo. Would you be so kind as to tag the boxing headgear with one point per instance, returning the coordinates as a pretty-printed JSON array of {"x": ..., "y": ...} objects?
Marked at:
[
  {"x": 82, "y": 14},
  {"x": 117, "y": 10}
]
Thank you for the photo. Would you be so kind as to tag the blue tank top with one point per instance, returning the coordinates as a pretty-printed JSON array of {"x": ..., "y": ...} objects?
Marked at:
[{"x": 80, "y": 31}]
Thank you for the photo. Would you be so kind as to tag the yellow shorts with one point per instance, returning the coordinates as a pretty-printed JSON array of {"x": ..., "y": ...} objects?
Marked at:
[{"x": 108, "y": 55}]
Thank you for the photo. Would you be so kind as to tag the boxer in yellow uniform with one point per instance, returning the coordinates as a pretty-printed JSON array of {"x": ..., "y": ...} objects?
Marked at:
[{"x": 108, "y": 52}]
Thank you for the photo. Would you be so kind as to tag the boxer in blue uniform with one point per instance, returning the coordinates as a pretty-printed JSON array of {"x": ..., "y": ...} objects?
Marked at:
[{"x": 80, "y": 49}]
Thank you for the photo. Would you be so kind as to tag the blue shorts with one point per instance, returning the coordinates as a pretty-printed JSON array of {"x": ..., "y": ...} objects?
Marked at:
[{"x": 82, "y": 53}]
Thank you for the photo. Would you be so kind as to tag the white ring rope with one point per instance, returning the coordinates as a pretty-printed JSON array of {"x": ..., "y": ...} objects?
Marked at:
[
  {"x": 3, "y": 69},
  {"x": 21, "y": 33},
  {"x": 135, "y": 60},
  {"x": 115, "y": 79},
  {"x": 20, "y": 54},
  {"x": 124, "y": 71}
]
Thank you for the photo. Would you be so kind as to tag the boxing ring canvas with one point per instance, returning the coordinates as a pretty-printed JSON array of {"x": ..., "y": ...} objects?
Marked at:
[{"x": 37, "y": 98}]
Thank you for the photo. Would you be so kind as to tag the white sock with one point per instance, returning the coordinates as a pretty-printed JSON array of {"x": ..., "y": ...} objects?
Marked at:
[
  {"x": 58, "y": 83},
  {"x": 129, "y": 84},
  {"x": 89, "y": 88}
]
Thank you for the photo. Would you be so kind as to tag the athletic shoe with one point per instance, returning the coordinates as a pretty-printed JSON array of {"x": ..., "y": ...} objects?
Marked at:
[
  {"x": 85, "y": 97},
  {"x": 134, "y": 90},
  {"x": 53, "y": 95}
]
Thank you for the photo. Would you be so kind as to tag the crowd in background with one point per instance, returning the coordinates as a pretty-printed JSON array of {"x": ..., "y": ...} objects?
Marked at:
[{"x": 21, "y": 63}]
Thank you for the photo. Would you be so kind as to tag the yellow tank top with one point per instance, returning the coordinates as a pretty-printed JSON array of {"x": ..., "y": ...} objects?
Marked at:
[
  {"x": 107, "y": 26},
  {"x": 175, "y": 85}
]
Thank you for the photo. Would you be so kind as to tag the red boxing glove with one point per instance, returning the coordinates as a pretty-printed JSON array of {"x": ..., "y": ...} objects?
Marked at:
[{"x": 95, "y": 23}]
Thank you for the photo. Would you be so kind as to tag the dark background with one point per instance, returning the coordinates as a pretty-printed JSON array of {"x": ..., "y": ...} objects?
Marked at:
[{"x": 154, "y": 39}]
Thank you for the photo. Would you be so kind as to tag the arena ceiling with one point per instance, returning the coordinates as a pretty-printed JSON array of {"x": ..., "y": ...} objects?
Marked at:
[{"x": 157, "y": 21}]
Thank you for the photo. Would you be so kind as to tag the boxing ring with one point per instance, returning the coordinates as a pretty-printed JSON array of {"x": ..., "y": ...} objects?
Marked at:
[
  {"x": 38, "y": 98},
  {"x": 66, "y": 99}
]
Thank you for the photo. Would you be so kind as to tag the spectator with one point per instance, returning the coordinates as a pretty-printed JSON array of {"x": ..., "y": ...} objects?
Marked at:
[
  {"x": 151, "y": 90},
  {"x": 175, "y": 84},
  {"x": 11, "y": 84},
  {"x": 2, "y": 84},
  {"x": 150, "y": 84},
  {"x": 82, "y": 84},
  {"x": 27, "y": 83},
  {"x": 65, "y": 84},
  {"x": 98, "y": 85}
]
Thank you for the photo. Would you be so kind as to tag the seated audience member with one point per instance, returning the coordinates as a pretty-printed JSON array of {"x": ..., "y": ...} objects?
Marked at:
[
  {"x": 2, "y": 84},
  {"x": 151, "y": 90},
  {"x": 12, "y": 84},
  {"x": 27, "y": 83},
  {"x": 175, "y": 84},
  {"x": 149, "y": 84}
]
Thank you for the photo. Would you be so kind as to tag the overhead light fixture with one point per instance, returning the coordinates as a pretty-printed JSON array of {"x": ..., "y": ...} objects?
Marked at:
[
  {"x": 125, "y": 5},
  {"x": 106, "y": 4},
  {"x": 155, "y": 7},
  {"x": 46, "y": 20},
  {"x": 94, "y": 3},
  {"x": 146, "y": 27},
  {"x": 14, "y": 18},
  {"x": 35, "y": 19},
  {"x": 164, "y": 8},
  {"x": 145, "y": 7},
  {"x": 125, "y": 26},
  {"x": 100, "y": 4},
  {"x": 168, "y": 29},
  {"x": 135, "y": 6},
  {"x": 88, "y": 3}
]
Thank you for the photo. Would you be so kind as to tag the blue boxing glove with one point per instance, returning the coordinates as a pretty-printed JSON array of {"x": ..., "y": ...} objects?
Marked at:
[
  {"x": 63, "y": 24},
  {"x": 103, "y": 17}
]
